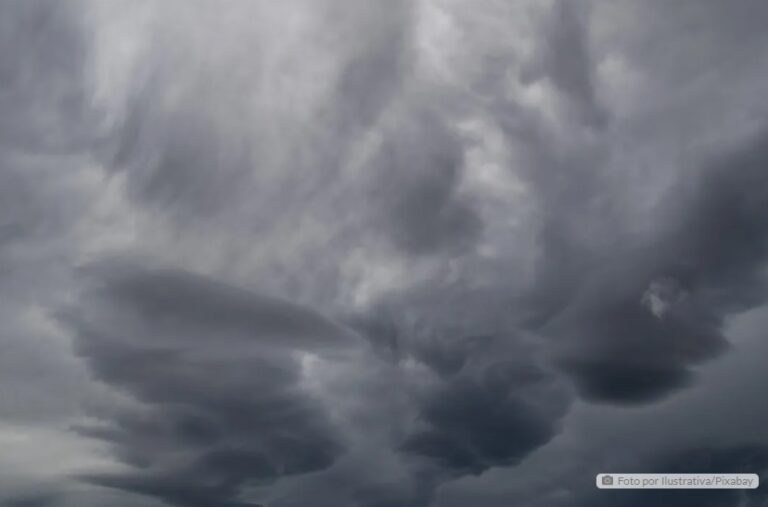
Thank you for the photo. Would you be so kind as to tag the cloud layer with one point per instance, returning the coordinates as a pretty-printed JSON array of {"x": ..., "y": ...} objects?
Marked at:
[{"x": 379, "y": 254}]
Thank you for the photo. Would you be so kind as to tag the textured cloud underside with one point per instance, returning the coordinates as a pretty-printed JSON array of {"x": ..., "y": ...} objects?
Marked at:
[{"x": 426, "y": 253}]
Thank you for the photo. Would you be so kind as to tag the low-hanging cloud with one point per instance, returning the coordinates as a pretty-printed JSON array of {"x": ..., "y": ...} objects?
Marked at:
[
  {"x": 371, "y": 254},
  {"x": 219, "y": 394}
]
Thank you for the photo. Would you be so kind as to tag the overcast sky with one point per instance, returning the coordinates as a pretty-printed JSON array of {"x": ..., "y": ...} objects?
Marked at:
[{"x": 381, "y": 253}]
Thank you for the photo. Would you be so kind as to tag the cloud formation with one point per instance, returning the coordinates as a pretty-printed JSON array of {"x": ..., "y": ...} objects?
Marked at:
[
  {"x": 378, "y": 254},
  {"x": 219, "y": 390}
]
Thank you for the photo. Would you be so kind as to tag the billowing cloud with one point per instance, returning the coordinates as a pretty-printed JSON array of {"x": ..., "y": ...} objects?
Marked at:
[
  {"x": 378, "y": 254},
  {"x": 642, "y": 320},
  {"x": 218, "y": 387}
]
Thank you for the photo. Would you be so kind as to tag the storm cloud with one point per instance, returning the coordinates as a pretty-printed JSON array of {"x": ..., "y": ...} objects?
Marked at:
[
  {"x": 206, "y": 423},
  {"x": 380, "y": 254}
]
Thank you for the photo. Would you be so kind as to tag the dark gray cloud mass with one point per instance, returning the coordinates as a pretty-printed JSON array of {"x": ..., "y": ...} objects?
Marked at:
[
  {"x": 380, "y": 254},
  {"x": 220, "y": 398},
  {"x": 705, "y": 263}
]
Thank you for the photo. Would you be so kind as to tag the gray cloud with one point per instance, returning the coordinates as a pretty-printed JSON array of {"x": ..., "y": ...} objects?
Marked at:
[
  {"x": 565, "y": 58},
  {"x": 378, "y": 254},
  {"x": 194, "y": 353},
  {"x": 44, "y": 100},
  {"x": 219, "y": 390},
  {"x": 418, "y": 168},
  {"x": 485, "y": 397},
  {"x": 472, "y": 426},
  {"x": 712, "y": 251}
]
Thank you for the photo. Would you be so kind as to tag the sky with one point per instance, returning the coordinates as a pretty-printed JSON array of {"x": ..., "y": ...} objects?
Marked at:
[{"x": 367, "y": 253}]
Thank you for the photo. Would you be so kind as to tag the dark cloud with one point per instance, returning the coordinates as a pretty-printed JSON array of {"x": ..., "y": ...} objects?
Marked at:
[
  {"x": 469, "y": 426},
  {"x": 484, "y": 399},
  {"x": 447, "y": 248},
  {"x": 220, "y": 400},
  {"x": 619, "y": 350},
  {"x": 638, "y": 329},
  {"x": 634, "y": 310},
  {"x": 722, "y": 241},
  {"x": 184, "y": 301}
]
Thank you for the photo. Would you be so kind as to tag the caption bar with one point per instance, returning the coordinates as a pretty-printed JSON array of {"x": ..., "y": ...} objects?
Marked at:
[{"x": 677, "y": 481}]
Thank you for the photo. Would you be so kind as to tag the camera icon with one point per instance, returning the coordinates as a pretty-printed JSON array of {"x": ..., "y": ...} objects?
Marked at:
[{"x": 606, "y": 480}]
